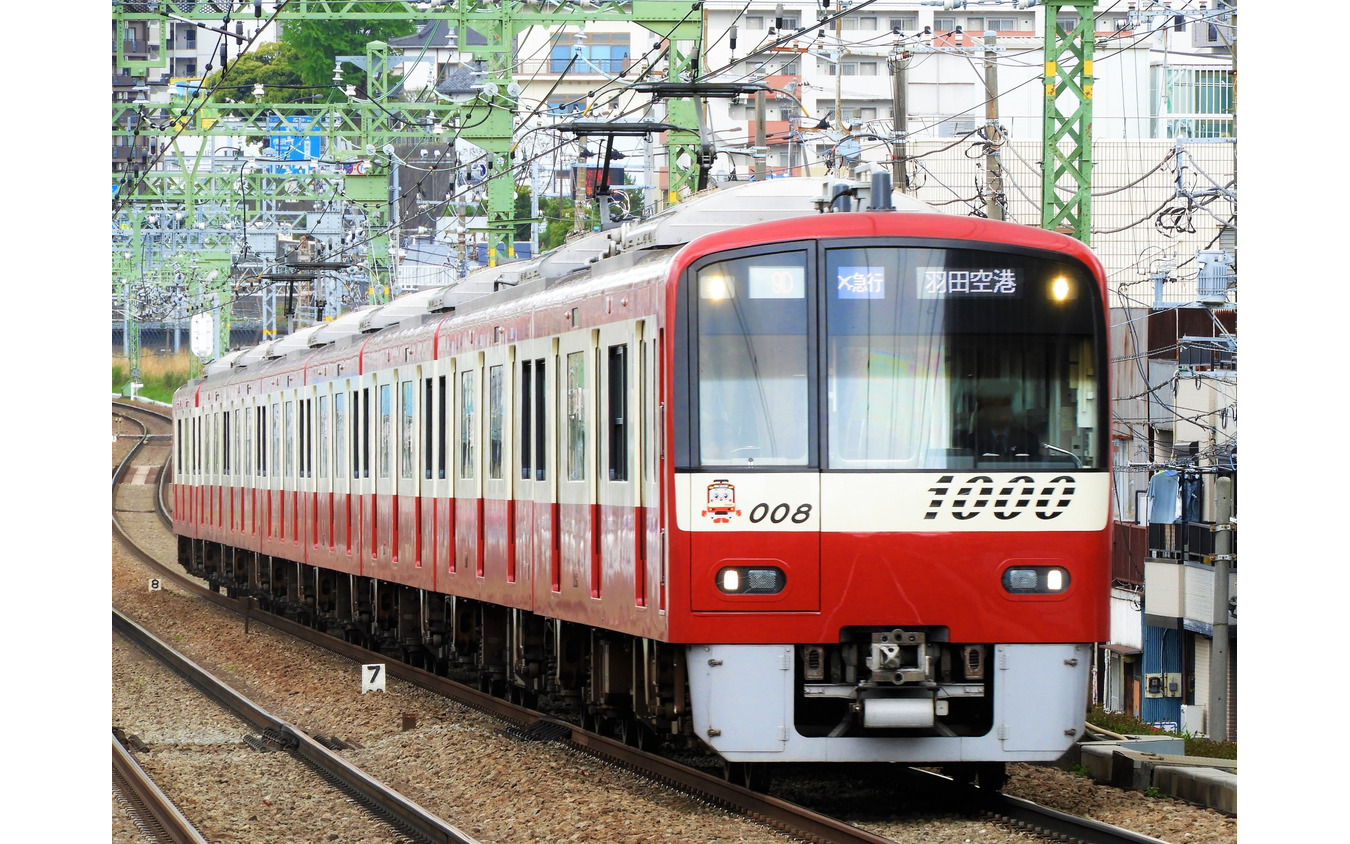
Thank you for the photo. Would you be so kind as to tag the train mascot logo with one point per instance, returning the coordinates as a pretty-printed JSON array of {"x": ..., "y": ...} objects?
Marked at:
[{"x": 721, "y": 502}]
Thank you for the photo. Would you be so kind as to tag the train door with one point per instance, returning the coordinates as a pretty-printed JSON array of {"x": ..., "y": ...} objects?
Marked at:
[
  {"x": 577, "y": 514},
  {"x": 499, "y": 506},
  {"x": 650, "y": 451},
  {"x": 438, "y": 523},
  {"x": 291, "y": 477},
  {"x": 306, "y": 490},
  {"x": 322, "y": 539},
  {"x": 384, "y": 538},
  {"x": 248, "y": 434},
  {"x": 407, "y": 498},
  {"x": 468, "y": 548},
  {"x": 533, "y": 490},
  {"x": 276, "y": 464},
  {"x": 618, "y": 469},
  {"x": 363, "y": 490}
]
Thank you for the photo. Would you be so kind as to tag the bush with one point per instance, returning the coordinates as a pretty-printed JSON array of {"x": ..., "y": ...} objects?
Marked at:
[
  {"x": 161, "y": 375},
  {"x": 1119, "y": 722}
]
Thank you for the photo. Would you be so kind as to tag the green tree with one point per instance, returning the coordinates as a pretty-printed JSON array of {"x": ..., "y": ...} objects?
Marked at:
[
  {"x": 318, "y": 42},
  {"x": 273, "y": 65}
]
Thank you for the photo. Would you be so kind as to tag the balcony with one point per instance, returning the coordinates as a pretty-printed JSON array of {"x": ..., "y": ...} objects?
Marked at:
[
  {"x": 1181, "y": 594},
  {"x": 1179, "y": 577},
  {"x": 1184, "y": 542}
]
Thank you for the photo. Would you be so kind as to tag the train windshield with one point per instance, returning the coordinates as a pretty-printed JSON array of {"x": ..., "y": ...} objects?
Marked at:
[{"x": 897, "y": 357}]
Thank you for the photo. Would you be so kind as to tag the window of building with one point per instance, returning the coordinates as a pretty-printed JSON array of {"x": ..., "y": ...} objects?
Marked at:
[
  {"x": 905, "y": 23},
  {"x": 859, "y": 23},
  {"x": 601, "y": 52}
]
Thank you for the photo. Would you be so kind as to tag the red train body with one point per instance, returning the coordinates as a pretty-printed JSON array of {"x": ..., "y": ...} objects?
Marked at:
[{"x": 700, "y": 478}]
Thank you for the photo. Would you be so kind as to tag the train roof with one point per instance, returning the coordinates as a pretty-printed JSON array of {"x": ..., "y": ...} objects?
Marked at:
[{"x": 718, "y": 209}]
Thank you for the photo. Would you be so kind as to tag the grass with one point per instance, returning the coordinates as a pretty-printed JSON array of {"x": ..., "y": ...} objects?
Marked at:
[
  {"x": 1118, "y": 722},
  {"x": 160, "y": 375}
]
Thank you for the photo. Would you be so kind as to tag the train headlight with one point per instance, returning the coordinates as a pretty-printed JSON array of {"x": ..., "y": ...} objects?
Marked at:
[
  {"x": 751, "y": 580},
  {"x": 1035, "y": 580}
]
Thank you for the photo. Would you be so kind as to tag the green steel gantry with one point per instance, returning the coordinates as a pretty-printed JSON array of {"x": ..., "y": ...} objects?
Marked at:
[
  {"x": 1066, "y": 152},
  {"x": 357, "y": 129}
]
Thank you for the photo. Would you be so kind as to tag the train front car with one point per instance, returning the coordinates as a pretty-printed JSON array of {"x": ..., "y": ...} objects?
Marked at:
[{"x": 891, "y": 488}]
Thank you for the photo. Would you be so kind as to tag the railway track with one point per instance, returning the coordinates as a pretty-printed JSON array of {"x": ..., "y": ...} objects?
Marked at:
[
  {"x": 405, "y": 816},
  {"x": 790, "y": 818},
  {"x": 155, "y": 814}
]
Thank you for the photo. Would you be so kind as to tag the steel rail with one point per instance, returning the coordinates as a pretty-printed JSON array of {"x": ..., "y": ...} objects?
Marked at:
[
  {"x": 403, "y": 813},
  {"x": 1025, "y": 814},
  {"x": 153, "y": 809}
]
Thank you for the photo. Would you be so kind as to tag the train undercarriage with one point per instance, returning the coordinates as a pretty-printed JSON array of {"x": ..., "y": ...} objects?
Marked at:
[{"x": 873, "y": 684}]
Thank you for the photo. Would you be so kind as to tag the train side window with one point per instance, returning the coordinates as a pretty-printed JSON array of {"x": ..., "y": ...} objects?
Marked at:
[
  {"x": 576, "y": 416},
  {"x": 428, "y": 432},
  {"x": 305, "y": 437},
  {"x": 324, "y": 440},
  {"x": 290, "y": 440},
  {"x": 466, "y": 426},
  {"x": 276, "y": 437},
  {"x": 407, "y": 426},
  {"x": 526, "y": 418},
  {"x": 339, "y": 434},
  {"x": 386, "y": 422},
  {"x": 262, "y": 440},
  {"x": 540, "y": 422},
  {"x": 365, "y": 432},
  {"x": 617, "y": 388},
  {"x": 442, "y": 425},
  {"x": 228, "y": 444},
  {"x": 246, "y": 428},
  {"x": 496, "y": 414},
  {"x": 356, "y": 434}
]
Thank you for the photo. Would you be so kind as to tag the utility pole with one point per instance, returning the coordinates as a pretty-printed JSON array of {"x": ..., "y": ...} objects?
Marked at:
[
  {"x": 761, "y": 150},
  {"x": 899, "y": 67},
  {"x": 579, "y": 192},
  {"x": 1217, "y": 706},
  {"x": 993, "y": 139},
  {"x": 839, "y": 66}
]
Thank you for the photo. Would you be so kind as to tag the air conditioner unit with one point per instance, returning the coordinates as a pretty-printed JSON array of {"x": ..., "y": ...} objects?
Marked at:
[
  {"x": 956, "y": 128},
  {"x": 1212, "y": 31},
  {"x": 1193, "y": 719}
]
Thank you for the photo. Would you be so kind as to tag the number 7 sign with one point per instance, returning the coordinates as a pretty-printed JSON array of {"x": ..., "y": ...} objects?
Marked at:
[{"x": 372, "y": 678}]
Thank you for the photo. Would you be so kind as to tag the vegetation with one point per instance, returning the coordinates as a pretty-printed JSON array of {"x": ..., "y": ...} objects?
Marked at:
[
  {"x": 273, "y": 65},
  {"x": 160, "y": 375},
  {"x": 318, "y": 43},
  {"x": 1118, "y": 722}
]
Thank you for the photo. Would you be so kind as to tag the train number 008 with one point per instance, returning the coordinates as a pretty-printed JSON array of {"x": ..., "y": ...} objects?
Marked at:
[{"x": 780, "y": 513}]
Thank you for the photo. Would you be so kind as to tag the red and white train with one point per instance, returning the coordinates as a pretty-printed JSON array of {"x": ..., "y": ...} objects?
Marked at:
[{"x": 802, "y": 482}]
